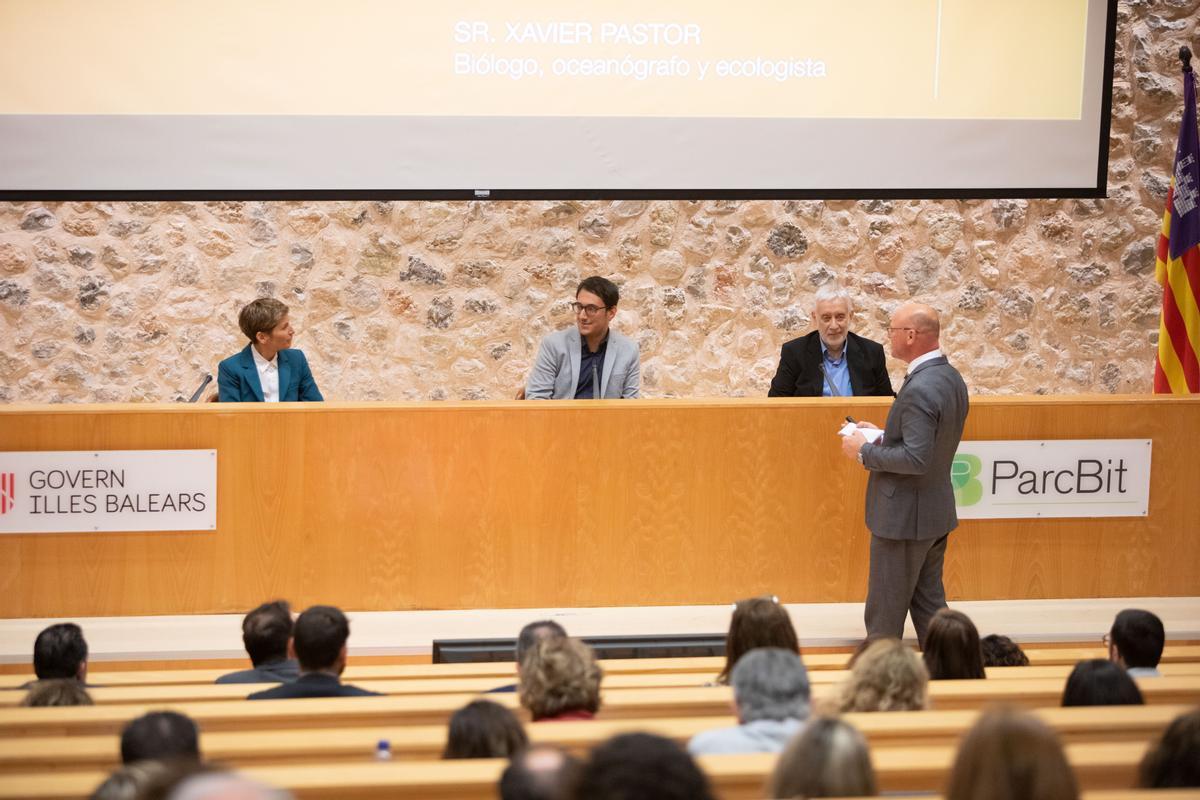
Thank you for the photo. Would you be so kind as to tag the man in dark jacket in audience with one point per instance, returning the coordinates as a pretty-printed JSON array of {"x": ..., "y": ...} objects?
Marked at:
[
  {"x": 266, "y": 633},
  {"x": 59, "y": 652},
  {"x": 319, "y": 643}
]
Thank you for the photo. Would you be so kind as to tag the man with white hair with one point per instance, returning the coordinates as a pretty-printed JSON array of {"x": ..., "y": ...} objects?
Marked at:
[
  {"x": 831, "y": 361},
  {"x": 771, "y": 697}
]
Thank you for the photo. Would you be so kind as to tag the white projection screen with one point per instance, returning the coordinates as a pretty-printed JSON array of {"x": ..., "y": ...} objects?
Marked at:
[{"x": 554, "y": 98}]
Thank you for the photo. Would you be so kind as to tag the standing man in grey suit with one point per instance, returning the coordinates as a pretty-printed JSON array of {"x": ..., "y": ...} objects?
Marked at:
[
  {"x": 910, "y": 500},
  {"x": 589, "y": 360}
]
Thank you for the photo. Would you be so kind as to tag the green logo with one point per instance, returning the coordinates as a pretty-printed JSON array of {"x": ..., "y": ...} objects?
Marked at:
[{"x": 963, "y": 473}]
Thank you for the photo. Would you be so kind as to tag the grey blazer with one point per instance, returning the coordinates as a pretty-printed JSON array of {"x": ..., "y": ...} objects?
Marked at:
[
  {"x": 555, "y": 373},
  {"x": 909, "y": 494}
]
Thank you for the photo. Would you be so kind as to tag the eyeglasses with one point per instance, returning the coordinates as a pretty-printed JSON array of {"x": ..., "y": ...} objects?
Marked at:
[{"x": 591, "y": 311}]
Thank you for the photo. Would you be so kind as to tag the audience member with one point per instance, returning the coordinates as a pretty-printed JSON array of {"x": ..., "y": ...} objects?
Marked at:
[
  {"x": 57, "y": 692},
  {"x": 541, "y": 772},
  {"x": 888, "y": 676},
  {"x": 266, "y": 633},
  {"x": 757, "y": 622},
  {"x": 224, "y": 786},
  {"x": 1001, "y": 651},
  {"x": 830, "y": 759},
  {"x": 1136, "y": 642},
  {"x": 160, "y": 736},
  {"x": 130, "y": 781},
  {"x": 952, "y": 650},
  {"x": 1096, "y": 682},
  {"x": 560, "y": 680},
  {"x": 1009, "y": 755},
  {"x": 641, "y": 766},
  {"x": 1174, "y": 760},
  {"x": 483, "y": 729},
  {"x": 526, "y": 639},
  {"x": 770, "y": 696},
  {"x": 319, "y": 643},
  {"x": 60, "y": 651}
]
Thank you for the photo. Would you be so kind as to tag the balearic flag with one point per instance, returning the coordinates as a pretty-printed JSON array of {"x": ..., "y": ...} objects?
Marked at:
[{"x": 1177, "y": 262}]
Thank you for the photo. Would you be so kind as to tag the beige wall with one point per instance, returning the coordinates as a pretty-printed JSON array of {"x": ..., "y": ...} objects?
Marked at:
[{"x": 395, "y": 300}]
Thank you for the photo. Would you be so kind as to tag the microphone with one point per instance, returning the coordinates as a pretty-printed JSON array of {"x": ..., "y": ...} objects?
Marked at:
[
  {"x": 207, "y": 380},
  {"x": 596, "y": 395}
]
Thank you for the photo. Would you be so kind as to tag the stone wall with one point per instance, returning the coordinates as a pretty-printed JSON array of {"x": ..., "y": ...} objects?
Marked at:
[{"x": 114, "y": 302}]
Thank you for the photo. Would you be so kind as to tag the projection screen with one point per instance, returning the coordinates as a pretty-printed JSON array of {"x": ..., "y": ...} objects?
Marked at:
[{"x": 519, "y": 98}]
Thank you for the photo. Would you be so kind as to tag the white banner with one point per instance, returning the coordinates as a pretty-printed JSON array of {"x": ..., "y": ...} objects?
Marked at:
[
  {"x": 108, "y": 490},
  {"x": 1052, "y": 478}
]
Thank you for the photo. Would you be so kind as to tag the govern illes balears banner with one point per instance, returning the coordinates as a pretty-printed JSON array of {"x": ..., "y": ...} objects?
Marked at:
[
  {"x": 1052, "y": 478},
  {"x": 108, "y": 491}
]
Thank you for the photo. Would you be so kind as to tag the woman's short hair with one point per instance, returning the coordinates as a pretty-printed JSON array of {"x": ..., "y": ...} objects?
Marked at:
[
  {"x": 483, "y": 729},
  {"x": 1174, "y": 760},
  {"x": 828, "y": 759},
  {"x": 57, "y": 692},
  {"x": 757, "y": 622},
  {"x": 1009, "y": 755},
  {"x": 888, "y": 676},
  {"x": 1001, "y": 651},
  {"x": 261, "y": 316},
  {"x": 1100, "y": 682},
  {"x": 559, "y": 674},
  {"x": 952, "y": 650}
]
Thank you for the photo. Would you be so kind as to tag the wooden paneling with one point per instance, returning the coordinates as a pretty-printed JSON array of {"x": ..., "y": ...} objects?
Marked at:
[{"x": 512, "y": 505}]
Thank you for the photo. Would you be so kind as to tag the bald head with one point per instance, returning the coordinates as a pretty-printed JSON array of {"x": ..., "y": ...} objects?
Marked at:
[
  {"x": 914, "y": 330},
  {"x": 542, "y": 772}
]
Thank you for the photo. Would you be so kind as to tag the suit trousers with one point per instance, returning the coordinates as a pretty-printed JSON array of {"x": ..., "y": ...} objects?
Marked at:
[{"x": 906, "y": 576}]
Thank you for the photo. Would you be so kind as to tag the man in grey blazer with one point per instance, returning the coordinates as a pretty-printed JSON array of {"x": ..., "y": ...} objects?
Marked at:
[
  {"x": 589, "y": 360},
  {"x": 910, "y": 500}
]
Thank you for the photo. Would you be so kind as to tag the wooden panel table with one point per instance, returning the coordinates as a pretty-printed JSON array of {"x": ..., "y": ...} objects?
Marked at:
[
  {"x": 571, "y": 504},
  {"x": 435, "y": 709},
  {"x": 415, "y": 742},
  {"x": 191, "y": 693},
  {"x": 1177, "y": 659},
  {"x": 735, "y": 777}
]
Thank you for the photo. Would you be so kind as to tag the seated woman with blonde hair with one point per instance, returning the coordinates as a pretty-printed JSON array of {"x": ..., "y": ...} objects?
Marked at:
[
  {"x": 887, "y": 676},
  {"x": 560, "y": 680}
]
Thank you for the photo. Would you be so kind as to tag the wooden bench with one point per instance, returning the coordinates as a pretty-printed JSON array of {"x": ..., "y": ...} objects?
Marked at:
[
  {"x": 436, "y": 709},
  {"x": 735, "y": 777},
  {"x": 505, "y": 672},
  {"x": 191, "y": 693},
  {"x": 425, "y": 742}
]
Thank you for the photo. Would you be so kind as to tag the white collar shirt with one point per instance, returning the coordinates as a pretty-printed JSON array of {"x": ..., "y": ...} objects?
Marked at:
[
  {"x": 921, "y": 359},
  {"x": 268, "y": 375}
]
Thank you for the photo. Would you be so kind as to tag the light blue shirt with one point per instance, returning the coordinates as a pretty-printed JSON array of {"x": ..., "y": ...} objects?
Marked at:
[{"x": 836, "y": 371}]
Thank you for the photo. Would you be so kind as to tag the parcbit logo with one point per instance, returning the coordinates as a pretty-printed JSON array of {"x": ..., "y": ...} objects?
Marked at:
[
  {"x": 963, "y": 476},
  {"x": 8, "y": 491}
]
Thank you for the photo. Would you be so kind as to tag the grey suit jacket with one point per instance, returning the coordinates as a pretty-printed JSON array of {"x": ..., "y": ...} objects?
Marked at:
[
  {"x": 555, "y": 373},
  {"x": 909, "y": 494}
]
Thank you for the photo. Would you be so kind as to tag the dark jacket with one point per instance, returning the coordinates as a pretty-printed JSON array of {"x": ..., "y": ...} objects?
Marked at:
[
  {"x": 272, "y": 672},
  {"x": 799, "y": 373},
  {"x": 312, "y": 684}
]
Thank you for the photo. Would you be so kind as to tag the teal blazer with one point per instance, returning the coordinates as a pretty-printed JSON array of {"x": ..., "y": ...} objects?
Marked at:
[{"x": 237, "y": 378}]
